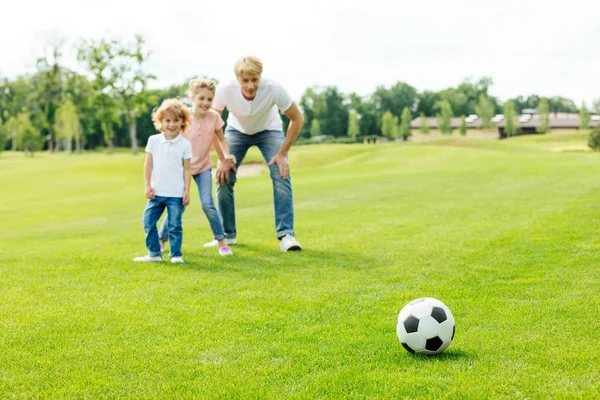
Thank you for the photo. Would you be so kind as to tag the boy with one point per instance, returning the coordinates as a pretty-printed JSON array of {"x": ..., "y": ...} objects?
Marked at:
[{"x": 167, "y": 178}]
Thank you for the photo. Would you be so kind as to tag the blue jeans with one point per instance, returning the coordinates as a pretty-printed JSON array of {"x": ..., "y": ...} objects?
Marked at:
[
  {"x": 152, "y": 213},
  {"x": 204, "y": 183},
  {"x": 268, "y": 143}
]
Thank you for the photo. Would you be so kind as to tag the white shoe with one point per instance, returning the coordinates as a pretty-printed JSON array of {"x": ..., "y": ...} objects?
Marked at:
[
  {"x": 148, "y": 258},
  {"x": 225, "y": 251},
  {"x": 215, "y": 243},
  {"x": 177, "y": 260},
  {"x": 289, "y": 243}
]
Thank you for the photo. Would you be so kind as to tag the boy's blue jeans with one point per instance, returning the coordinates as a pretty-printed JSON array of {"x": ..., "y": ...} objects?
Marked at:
[
  {"x": 268, "y": 142},
  {"x": 204, "y": 183},
  {"x": 152, "y": 213}
]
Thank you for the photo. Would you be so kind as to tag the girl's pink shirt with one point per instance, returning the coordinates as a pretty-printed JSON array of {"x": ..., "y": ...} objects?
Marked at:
[{"x": 200, "y": 134}]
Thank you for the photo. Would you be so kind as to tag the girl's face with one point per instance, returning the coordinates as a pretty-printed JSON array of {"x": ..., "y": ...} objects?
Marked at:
[
  {"x": 171, "y": 124},
  {"x": 249, "y": 84},
  {"x": 202, "y": 100}
]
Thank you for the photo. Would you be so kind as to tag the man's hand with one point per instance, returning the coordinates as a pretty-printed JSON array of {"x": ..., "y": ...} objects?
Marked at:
[
  {"x": 282, "y": 163},
  {"x": 149, "y": 192},
  {"x": 223, "y": 168}
]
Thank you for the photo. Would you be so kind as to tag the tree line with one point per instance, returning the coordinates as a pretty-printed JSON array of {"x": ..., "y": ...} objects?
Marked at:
[{"x": 109, "y": 104}]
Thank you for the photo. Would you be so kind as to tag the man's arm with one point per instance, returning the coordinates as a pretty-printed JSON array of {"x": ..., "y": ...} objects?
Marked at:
[{"x": 296, "y": 122}]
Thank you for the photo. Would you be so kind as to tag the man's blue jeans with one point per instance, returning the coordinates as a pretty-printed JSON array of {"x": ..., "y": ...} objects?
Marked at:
[
  {"x": 154, "y": 209},
  {"x": 268, "y": 142}
]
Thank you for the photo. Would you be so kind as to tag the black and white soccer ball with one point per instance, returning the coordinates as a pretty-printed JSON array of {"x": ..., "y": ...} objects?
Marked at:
[{"x": 425, "y": 326}]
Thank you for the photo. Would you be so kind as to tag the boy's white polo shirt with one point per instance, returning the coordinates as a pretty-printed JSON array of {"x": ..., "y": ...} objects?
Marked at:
[
  {"x": 167, "y": 164},
  {"x": 258, "y": 114}
]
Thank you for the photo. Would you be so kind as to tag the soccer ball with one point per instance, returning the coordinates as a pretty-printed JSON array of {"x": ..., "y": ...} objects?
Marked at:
[{"x": 425, "y": 326}]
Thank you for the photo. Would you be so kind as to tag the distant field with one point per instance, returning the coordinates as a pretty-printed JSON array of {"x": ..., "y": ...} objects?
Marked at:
[{"x": 503, "y": 232}]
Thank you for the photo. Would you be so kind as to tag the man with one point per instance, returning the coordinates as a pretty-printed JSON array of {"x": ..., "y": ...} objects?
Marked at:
[{"x": 253, "y": 120}]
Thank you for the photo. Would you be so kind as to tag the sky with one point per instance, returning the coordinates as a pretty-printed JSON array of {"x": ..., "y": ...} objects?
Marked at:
[{"x": 548, "y": 48}]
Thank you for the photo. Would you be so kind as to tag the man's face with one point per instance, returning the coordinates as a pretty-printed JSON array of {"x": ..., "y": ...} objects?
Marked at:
[{"x": 249, "y": 84}]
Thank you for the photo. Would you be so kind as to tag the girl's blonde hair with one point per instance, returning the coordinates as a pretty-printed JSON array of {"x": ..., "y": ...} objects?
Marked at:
[
  {"x": 174, "y": 107},
  {"x": 249, "y": 64},
  {"x": 197, "y": 84}
]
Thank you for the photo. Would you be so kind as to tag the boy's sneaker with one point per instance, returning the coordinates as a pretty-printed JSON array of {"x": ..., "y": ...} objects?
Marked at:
[
  {"x": 289, "y": 243},
  {"x": 225, "y": 251},
  {"x": 177, "y": 260},
  {"x": 215, "y": 243},
  {"x": 148, "y": 258}
]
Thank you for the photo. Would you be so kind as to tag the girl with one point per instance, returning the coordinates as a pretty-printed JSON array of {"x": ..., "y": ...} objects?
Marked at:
[{"x": 206, "y": 129}]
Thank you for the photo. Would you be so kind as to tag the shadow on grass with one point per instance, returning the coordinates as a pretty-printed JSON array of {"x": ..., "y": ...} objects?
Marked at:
[
  {"x": 448, "y": 355},
  {"x": 255, "y": 257}
]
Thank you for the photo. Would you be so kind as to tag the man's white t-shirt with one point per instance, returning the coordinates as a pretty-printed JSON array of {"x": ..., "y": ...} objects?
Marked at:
[
  {"x": 258, "y": 114},
  {"x": 167, "y": 164}
]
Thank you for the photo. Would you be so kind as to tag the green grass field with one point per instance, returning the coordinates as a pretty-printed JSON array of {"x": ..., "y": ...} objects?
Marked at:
[{"x": 505, "y": 233}]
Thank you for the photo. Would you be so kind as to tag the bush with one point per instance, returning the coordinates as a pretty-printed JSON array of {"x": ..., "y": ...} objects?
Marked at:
[{"x": 594, "y": 139}]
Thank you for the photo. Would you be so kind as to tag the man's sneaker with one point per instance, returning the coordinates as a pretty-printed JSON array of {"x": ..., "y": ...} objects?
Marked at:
[
  {"x": 215, "y": 243},
  {"x": 289, "y": 243},
  {"x": 148, "y": 258},
  {"x": 225, "y": 251},
  {"x": 177, "y": 260}
]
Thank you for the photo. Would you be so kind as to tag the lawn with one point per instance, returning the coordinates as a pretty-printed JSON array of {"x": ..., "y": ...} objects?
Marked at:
[{"x": 505, "y": 233}]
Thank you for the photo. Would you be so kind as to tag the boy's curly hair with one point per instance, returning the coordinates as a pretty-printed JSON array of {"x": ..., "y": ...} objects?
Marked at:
[{"x": 175, "y": 108}]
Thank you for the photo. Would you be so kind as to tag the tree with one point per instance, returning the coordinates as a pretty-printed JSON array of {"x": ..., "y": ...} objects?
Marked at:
[
  {"x": 67, "y": 125},
  {"x": 444, "y": 117},
  {"x": 99, "y": 57},
  {"x": 120, "y": 82},
  {"x": 511, "y": 125},
  {"x": 404, "y": 129},
  {"x": 427, "y": 103},
  {"x": 389, "y": 123},
  {"x": 463, "y": 99},
  {"x": 485, "y": 110},
  {"x": 594, "y": 139},
  {"x": 597, "y": 106},
  {"x": 522, "y": 102},
  {"x": 131, "y": 83},
  {"x": 315, "y": 128},
  {"x": 395, "y": 98},
  {"x": 584, "y": 117},
  {"x": 28, "y": 137},
  {"x": 544, "y": 116},
  {"x": 424, "y": 124},
  {"x": 49, "y": 87},
  {"x": 334, "y": 119},
  {"x": 462, "y": 128},
  {"x": 80, "y": 92},
  {"x": 353, "y": 124},
  {"x": 2, "y": 136},
  {"x": 12, "y": 129},
  {"x": 562, "y": 104}
]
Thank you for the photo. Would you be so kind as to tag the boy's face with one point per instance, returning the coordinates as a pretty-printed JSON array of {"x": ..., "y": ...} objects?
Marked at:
[
  {"x": 171, "y": 124},
  {"x": 203, "y": 100},
  {"x": 249, "y": 84}
]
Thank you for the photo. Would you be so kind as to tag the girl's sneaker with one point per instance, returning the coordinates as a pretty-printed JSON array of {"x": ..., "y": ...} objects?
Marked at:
[
  {"x": 177, "y": 260},
  {"x": 225, "y": 251}
]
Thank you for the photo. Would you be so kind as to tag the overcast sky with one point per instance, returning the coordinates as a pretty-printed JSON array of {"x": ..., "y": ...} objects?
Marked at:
[{"x": 527, "y": 46}]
